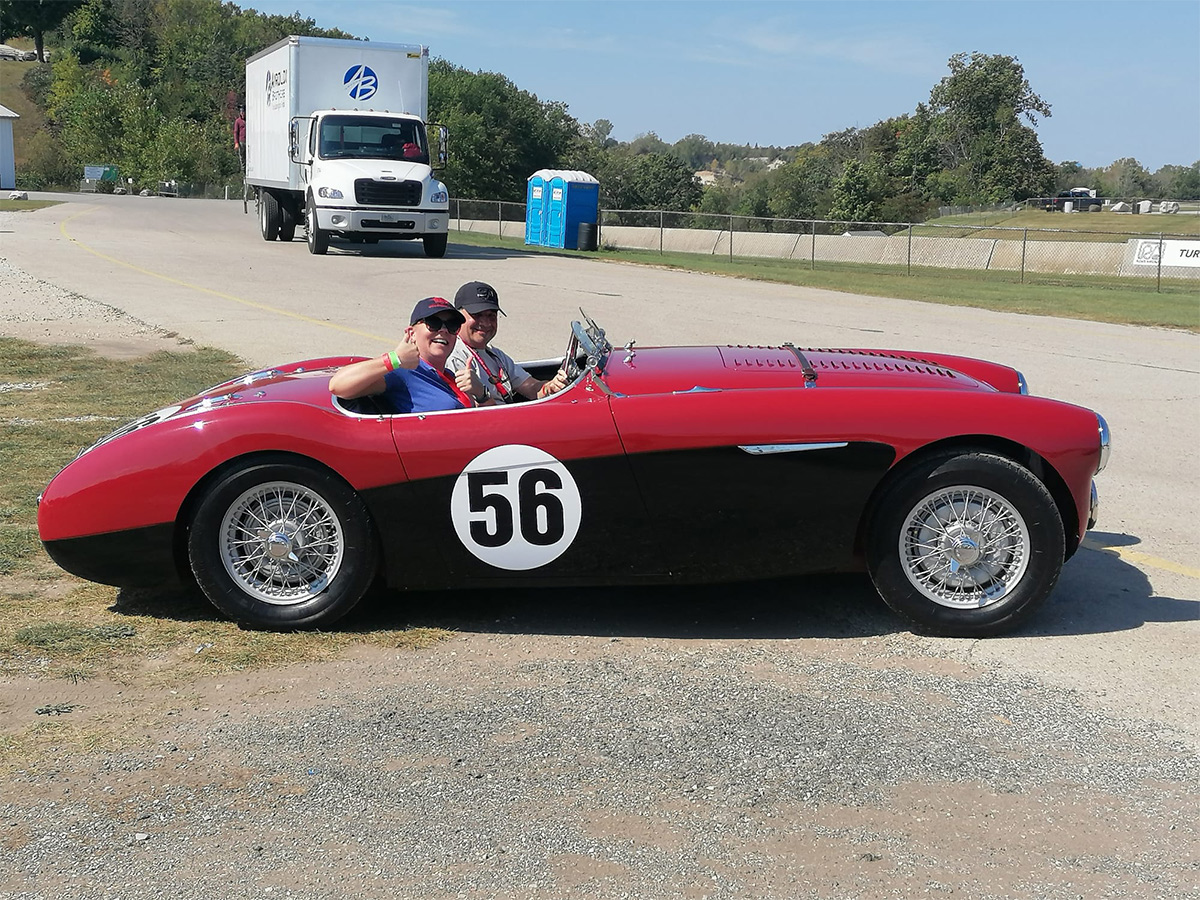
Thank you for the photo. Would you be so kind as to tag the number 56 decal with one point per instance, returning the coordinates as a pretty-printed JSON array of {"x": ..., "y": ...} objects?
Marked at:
[{"x": 515, "y": 507}]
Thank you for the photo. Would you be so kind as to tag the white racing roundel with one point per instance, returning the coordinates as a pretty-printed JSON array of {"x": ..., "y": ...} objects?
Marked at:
[{"x": 516, "y": 507}]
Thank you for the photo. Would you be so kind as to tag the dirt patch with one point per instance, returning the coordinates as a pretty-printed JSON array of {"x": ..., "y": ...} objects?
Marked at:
[{"x": 36, "y": 310}]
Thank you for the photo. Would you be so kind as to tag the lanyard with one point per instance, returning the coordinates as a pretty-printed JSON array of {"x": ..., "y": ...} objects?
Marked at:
[
  {"x": 467, "y": 402},
  {"x": 498, "y": 381}
]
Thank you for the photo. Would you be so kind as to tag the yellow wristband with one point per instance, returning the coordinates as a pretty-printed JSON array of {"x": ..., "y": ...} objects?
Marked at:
[{"x": 393, "y": 361}]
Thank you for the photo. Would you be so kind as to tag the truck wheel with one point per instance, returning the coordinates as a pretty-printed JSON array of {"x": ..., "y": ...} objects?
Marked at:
[
  {"x": 965, "y": 544},
  {"x": 282, "y": 545},
  {"x": 435, "y": 245},
  {"x": 318, "y": 240},
  {"x": 287, "y": 221},
  {"x": 268, "y": 215}
]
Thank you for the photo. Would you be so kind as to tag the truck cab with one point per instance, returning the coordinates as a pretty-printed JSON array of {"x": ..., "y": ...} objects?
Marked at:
[{"x": 368, "y": 176}]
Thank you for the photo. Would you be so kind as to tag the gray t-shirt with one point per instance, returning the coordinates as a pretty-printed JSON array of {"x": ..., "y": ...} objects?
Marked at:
[{"x": 494, "y": 368}]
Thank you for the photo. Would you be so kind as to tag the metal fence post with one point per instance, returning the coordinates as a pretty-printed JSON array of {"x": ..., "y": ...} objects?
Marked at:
[
  {"x": 731, "y": 238},
  {"x": 813, "y": 249},
  {"x": 1158, "y": 287},
  {"x": 499, "y": 218},
  {"x": 1024, "y": 241},
  {"x": 909, "y": 248},
  {"x": 660, "y": 232}
]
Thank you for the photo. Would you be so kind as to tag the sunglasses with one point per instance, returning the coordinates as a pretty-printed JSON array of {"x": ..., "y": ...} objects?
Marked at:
[{"x": 436, "y": 323}]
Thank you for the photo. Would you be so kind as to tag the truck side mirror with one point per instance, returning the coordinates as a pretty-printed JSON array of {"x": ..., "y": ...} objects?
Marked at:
[
  {"x": 443, "y": 147},
  {"x": 293, "y": 140}
]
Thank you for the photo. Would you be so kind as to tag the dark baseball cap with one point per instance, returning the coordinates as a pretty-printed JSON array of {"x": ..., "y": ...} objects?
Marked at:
[
  {"x": 432, "y": 306},
  {"x": 476, "y": 296}
]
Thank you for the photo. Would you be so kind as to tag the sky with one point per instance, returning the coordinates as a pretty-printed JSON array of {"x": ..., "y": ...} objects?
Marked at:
[{"x": 1122, "y": 77}]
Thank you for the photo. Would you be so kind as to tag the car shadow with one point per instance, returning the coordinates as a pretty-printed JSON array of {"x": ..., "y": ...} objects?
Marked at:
[
  {"x": 816, "y": 606},
  {"x": 1100, "y": 592},
  {"x": 1097, "y": 593}
]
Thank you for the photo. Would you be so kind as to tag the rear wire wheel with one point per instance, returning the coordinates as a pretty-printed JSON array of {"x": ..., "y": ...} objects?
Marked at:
[
  {"x": 282, "y": 546},
  {"x": 965, "y": 544}
]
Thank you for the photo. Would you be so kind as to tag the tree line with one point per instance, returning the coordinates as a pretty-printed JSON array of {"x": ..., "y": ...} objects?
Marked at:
[{"x": 152, "y": 85}]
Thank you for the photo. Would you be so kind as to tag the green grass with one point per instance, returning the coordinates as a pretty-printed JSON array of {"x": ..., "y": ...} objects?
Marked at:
[
  {"x": 54, "y": 625},
  {"x": 1096, "y": 298},
  {"x": 1044, "y": 226},
  {"x": 7, "y": 205}
]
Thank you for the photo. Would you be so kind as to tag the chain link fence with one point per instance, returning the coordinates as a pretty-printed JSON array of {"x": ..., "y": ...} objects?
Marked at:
[{"x": 1161, "y": 260}]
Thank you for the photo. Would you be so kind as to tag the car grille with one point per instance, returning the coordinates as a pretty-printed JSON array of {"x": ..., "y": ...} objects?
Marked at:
[{"x": 368, "y": 192}]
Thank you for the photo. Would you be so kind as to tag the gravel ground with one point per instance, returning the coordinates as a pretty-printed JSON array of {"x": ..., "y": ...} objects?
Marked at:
[
  {"x": 615, "y": 767},
  {"x": 715, "y": 743}
]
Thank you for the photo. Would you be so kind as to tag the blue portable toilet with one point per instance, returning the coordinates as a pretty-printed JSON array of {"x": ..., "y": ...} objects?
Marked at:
[{"x": 557, "y": 202}]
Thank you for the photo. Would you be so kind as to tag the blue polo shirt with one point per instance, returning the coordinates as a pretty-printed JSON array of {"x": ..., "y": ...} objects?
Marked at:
[{"x": 419, "y": 390}]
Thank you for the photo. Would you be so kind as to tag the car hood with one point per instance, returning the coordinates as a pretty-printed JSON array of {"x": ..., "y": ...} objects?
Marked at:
[
  {"x": 654, "y": 370},
  {"x": 303, "y": 382}
]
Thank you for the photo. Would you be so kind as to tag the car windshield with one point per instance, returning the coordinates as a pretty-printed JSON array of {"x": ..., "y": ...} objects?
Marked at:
[{"x": 370, "y": 137}]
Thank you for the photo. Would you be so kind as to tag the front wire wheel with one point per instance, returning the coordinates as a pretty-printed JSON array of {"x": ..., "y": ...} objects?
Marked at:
[
  {"x": 964, "y": 547},
  {"x": 966, "y": 544},
  {"x": 282, "y": 546},
  {"x": 281, "y": 543}
]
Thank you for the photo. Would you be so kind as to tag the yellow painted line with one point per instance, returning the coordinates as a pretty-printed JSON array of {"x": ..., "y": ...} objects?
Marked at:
[
  {"x": 1142, "y": 559},
  {"x": 203, "y": 290}
]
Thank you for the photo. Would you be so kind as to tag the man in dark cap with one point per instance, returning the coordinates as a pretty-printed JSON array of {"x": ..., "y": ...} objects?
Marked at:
[
  {"x": 494, "y": 369},
  {"x": 414, "y": 377}
]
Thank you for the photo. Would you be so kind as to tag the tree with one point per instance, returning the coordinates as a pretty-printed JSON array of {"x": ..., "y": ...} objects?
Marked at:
[
  {"x": 501, "y": 135},
  {"x": 978, "y": 111},
  {"x": 664, "y": 181},
  {"x": 852, "y": 195},
  {"x": 33, "y": 18}
]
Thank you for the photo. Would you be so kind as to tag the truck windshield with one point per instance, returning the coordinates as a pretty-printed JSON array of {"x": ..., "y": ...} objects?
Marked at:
[{"x": 369, "y": 137}]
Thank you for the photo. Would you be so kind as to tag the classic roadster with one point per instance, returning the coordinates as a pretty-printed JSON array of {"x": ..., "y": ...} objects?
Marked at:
[{"x": 960, "y": 493}]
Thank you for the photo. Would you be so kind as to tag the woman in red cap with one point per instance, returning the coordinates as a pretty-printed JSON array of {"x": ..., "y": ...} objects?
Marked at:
[{"x": 413, "y": 377}]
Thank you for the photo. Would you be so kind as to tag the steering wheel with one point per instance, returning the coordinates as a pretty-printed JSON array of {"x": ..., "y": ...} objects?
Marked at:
[{"x": 571, "y": 359}]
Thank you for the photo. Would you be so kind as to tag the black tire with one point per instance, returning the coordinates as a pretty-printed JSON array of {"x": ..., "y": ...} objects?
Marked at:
[
  {"x": 309, "y": 569},
  {"x": 981, "y": 567},
  {"x": 287, "y": 221},
  {"x": 269, "y": 215},
  {"x": 318, "y": 240},
  {"x": 435, "y": 245}
]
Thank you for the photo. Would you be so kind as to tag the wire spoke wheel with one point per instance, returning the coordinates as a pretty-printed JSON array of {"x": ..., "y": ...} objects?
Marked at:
[
  {"x": 965, "y": 544},
  {"x": 964, "y": 547},
  {"x": 281, "y": 542}
]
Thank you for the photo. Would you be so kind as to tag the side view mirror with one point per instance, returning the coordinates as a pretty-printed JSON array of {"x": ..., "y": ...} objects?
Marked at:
[
  {"x": 293, "y": 140},
  {"x": 443, "y": 147}
]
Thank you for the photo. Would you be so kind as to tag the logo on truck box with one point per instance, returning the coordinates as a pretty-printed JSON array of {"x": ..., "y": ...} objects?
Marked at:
[
  {"x": 276, "y": 88},
  {"x": 361, "y": 81}
]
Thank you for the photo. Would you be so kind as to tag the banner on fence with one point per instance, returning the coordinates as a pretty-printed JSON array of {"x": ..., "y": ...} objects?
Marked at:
[{"x": 1174, "y": 253}]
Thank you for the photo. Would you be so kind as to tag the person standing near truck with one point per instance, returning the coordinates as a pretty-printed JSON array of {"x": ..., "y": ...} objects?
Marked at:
[{"x": 239, "y": 136}]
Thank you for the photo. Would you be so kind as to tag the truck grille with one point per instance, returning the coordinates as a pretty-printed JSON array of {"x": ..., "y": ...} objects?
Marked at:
[{"x": 387, "y": 193}]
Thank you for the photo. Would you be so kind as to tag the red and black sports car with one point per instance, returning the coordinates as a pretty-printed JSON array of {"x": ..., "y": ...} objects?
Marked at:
[{"x": 961, "y": 494}]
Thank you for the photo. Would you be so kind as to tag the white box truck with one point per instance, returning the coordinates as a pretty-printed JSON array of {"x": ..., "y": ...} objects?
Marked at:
[{"x": 336, "y": 139}]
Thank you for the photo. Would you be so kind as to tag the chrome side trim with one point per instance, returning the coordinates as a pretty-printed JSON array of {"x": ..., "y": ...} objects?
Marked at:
[
  {"x": 699, "y": 389},
  {"x": 763, "y": 449}
]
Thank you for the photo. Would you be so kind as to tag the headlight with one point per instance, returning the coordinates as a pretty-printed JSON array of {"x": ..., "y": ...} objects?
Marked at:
[
  {"x": 439, "y": 197},
  {"x": 329, "y": 193},
  {"x": 1105, "y": 442}
]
